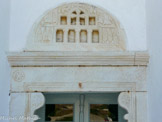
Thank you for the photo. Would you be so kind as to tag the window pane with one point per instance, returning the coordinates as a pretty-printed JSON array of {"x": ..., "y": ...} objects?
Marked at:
[
  {"x": 59, "y": 112},
  {"x": 103, "y": 113}
]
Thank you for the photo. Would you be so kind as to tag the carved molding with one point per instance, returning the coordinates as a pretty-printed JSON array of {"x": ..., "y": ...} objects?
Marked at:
[
  {"x": 78, "y": 58},
  {"x": 127, "y": 101},
  {"x": 76, "y": 27},
  {"x": 75, "y": 87}
]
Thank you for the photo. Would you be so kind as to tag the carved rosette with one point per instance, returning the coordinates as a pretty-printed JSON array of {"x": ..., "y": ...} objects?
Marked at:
[
  {"x": 127, "y": 101},
  {"x": 18, "y": 75}
]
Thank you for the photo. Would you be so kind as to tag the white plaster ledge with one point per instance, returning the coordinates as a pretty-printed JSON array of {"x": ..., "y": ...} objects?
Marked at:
[{"x": 78, "y": 58}]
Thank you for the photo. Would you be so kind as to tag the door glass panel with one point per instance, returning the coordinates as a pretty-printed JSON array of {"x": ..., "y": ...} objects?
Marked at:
[
  {"x": 59, "y": 112},
  {"x": 103, "y": 113}
]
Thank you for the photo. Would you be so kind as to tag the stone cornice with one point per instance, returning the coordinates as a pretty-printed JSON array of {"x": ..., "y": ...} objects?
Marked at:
[{"x": 78, "y": 58}]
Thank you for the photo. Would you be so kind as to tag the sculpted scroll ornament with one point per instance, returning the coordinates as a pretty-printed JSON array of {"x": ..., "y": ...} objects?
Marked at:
[
  {"x": 37, "y": 100},
  {"x": 127, "y": 101}
]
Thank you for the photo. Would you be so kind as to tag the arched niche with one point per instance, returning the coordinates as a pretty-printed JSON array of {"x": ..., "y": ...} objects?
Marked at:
[{"x": 98, "y": 29}]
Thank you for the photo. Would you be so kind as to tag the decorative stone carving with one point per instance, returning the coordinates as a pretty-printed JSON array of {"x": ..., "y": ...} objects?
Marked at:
[
  {"x": 127, "y": 101},
  {"x": 36, "y": 101},
  {"x": 18, "y": 75},
  {"x": 68, "y": 31},
  {"x": 24, "y": 105},
  {"x": 78, "y": 20},
  {"x": 44, "y": 70}
]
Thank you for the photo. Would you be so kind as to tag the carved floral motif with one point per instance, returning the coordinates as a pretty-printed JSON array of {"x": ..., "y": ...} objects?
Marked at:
[{"x": 18, "y": 75}]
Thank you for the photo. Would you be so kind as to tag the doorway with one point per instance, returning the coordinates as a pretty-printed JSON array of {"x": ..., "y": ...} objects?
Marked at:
[{"x": 87, "y": 107}]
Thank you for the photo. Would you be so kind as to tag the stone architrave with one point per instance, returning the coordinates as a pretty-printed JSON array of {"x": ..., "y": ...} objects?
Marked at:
[{"x": 78, "y": 47}]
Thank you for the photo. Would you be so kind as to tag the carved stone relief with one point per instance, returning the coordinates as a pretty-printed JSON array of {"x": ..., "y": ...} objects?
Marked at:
[
  {"x": 35, "y": 101},
  {"x": 18, "y": 75},
  {"x": 24, "y": 105},
  {"x": 70, "y": 28},
  {"x": 127, "y": 101},
  {"x": 79, "y": 24}
]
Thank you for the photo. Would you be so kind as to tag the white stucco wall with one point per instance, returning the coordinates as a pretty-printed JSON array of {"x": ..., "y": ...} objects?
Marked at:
[
  {"x": 4, "y": 67},
  {"x": 131, "y": 14},
  {"x": 154, "y": 37}
]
